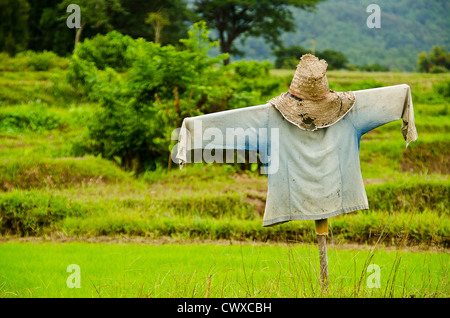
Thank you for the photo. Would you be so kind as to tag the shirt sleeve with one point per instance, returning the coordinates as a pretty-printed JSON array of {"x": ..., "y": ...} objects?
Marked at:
[
  {"x": 237, "y": 129},
  {"x": 379, "y": 106}
]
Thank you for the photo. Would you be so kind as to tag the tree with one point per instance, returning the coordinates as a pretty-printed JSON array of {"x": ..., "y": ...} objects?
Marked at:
[
  {"x": 158, "y": 21},
  {"x": 96, "y": 13},
  {"x": 438, "y": 60},
  {"x": 14, "y": 25},
  {"x": 336, "y": 60},
  {"x": 288, "y": 57},
  {"x": 133, "y": 23},
  {"x": 233, "y": 19}
]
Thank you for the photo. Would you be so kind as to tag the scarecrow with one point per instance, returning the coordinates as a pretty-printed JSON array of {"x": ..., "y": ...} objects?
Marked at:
[{"x": 312, "y": 156}]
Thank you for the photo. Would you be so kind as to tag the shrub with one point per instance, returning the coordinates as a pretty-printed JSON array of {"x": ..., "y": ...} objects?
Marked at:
[
  {"x": 438, "y": 69},
  {"x": 438, "y": 60},
  {"x": 33, "y": 61},
  {"x": 336, "y": 60},
  {"x": 31, "y": 213},
  {"x": 106, "y": 50},
  {"x": 141, "y": 105},
  {"x": 442, "y": 88},
  {"x": 139, "y": 111},
  {"x": 34, "y": 117},
  {"x": 288, "y": 57},
  {"x": 373, "y": 68},
  {"x": 34, "y": 172},
  {"x": 42, "y": 61},
  {"x": 251, "y": 69}
]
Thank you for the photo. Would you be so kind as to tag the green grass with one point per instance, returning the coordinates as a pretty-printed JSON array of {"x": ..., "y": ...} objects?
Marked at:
[{"x": 215, "y": 270}]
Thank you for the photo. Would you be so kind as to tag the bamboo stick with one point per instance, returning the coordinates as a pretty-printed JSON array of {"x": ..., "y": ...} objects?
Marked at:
[{"x": 322, "y": 232}]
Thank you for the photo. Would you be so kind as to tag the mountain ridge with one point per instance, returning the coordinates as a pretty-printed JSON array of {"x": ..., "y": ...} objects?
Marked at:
[{"x": 407, "y": 28}]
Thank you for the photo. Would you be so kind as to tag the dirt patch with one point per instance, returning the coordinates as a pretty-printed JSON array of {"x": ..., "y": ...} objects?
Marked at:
[
  {"x": 123, "y": 239},
  {"x": 368, "y": 181},
  {"x": 257, "y": 202}
]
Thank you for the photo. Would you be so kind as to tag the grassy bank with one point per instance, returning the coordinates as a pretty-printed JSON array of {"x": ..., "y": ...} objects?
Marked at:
[
  {"x": 48, "y": 189},
  {"x": 210, "y": 202}
]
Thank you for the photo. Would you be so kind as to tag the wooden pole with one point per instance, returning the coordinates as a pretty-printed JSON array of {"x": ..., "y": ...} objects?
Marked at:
[{"x": 322, "y": 232}]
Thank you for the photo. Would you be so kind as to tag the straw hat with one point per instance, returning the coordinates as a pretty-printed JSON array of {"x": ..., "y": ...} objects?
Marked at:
[{"x": 309, "y": 103}]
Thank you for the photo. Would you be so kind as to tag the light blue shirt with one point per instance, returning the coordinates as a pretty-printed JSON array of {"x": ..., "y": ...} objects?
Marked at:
[{"x": 311, "y": 175}]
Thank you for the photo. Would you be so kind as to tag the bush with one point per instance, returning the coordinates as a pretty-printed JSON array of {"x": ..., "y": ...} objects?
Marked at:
[
  {"x": 442, "y": 88},
  {"x": 373, "y": 68},
  {"x": 42, "y": 61},
  {"x": 106, "y": 51},
  {"x": 289, "y": 57},
  {"x": 32, "y": 61},
  {"x": 438, "y": 60},
  {"x": 251, "y": 69},
  {"x": 33, "y": 172},
  {"x": 161, "y": 86},
  {"x": 141, "y": 105},
  {"x": 34, "y": 117},
  {"x": 438, "y": 69},
  {"x": 336, "y": 60},
  {"x": 31, "y": 213}
]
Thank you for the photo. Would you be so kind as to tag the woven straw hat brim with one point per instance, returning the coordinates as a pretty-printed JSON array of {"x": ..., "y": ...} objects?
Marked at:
[{"x": 310, "y": 115}]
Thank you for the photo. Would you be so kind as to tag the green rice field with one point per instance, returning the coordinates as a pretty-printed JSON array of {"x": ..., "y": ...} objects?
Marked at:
[{"x": 217, "y": 270}]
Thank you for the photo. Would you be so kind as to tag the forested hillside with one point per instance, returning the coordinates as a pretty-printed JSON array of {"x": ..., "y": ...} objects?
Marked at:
[{"x": 407, "y": 28}]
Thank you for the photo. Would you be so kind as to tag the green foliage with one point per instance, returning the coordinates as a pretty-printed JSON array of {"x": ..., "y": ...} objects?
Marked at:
[
  {"x": 95, "y": 13},
  {"x": 161, "y": 85},
  {"x": 81, "y": 75},
  {"x": 412, "y": 196},
  {"x": 33, "y": 117},
  {"x": 251, "y": 83},
  {"x": 336, "y": 60},
  {"x": 234, "y": 19},
  {"x": 106, "y": 51},
  {"x": 32, "y": 61},
  {"x": 288, "y": 57},
  {"x": 31, "y": 213},
  {"x": 252, "y": 69},
  {"x": 439, "y": 94},
  {"x": 340, "y": 25},
  {"x": 33, "y": 172},
  {"x": 48, "y": 87},
  {"x": 438, "y": 61},
  {"x": 13, "y": 25},
  {"x": 132, "y": 20},
  {"x": 102, "y": 53},
  {"x": 40, "y": 61},
  {"x": 373, "y": 68}
]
